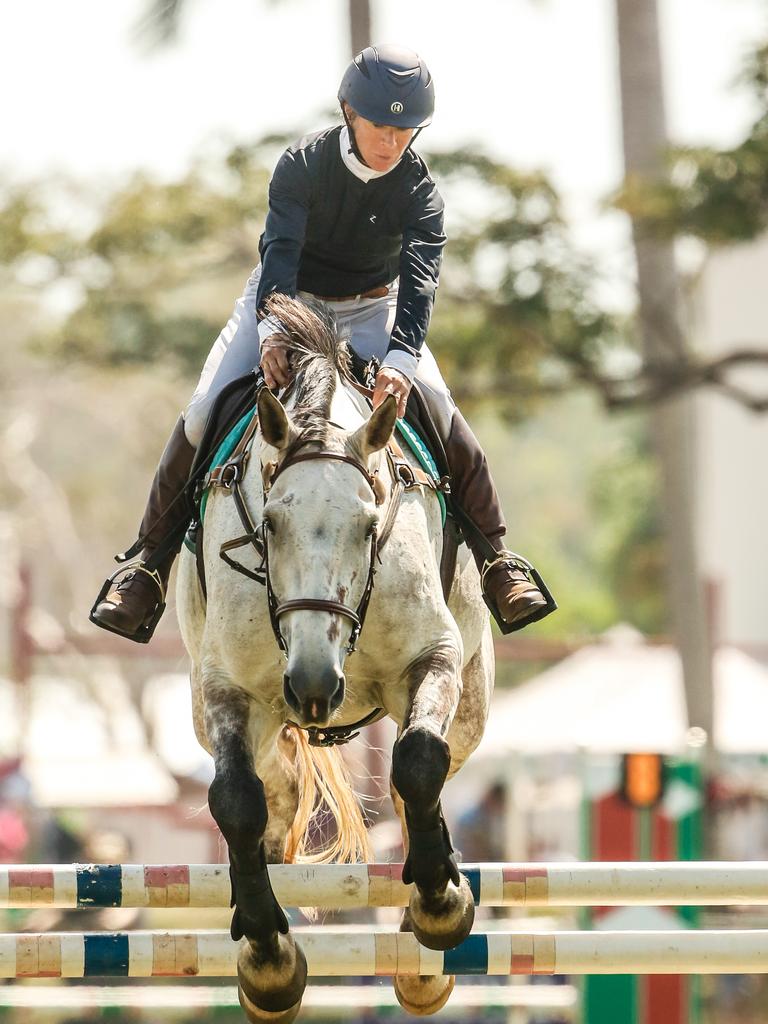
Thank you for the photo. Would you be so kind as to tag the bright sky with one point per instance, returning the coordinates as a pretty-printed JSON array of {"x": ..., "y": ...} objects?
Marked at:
[{"x": 532, "y": 80}]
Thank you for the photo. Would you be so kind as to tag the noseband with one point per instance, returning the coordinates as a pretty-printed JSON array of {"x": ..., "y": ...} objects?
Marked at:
[{"x": 356, "y": 615}]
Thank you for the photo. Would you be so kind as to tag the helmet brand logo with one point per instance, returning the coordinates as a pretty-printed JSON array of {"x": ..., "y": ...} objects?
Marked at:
[{"x": 397, "y": 107}]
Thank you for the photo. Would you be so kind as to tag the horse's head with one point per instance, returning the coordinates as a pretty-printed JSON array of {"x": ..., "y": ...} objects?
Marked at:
[{"x": 321, "y": 515}]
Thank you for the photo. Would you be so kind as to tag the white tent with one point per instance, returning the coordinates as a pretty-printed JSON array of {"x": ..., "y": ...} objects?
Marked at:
[{"x": 621, "y": 695}]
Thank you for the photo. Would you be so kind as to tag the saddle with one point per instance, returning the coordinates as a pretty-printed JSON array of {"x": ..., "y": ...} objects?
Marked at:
[{"x": 229, "y": 432}]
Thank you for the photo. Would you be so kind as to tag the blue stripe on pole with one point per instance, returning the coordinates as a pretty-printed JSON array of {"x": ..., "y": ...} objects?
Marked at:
[
  {"x": 106, "y": 955},
  {"x": 100, "y": 885},
  {"x": 471, "y": 957},
  {"x": 472, "y": 875}
]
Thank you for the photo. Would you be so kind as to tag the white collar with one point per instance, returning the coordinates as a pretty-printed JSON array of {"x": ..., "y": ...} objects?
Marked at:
[{"x": 355, "y": 165}]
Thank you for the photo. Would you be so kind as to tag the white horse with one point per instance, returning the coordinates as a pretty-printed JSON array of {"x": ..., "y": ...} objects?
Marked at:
[{"x": 321, "y": 512}]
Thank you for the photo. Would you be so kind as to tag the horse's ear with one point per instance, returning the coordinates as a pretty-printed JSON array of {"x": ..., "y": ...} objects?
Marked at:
[
  {"x": 276, "y": 426},
  {"x": 377, "y": 430}
]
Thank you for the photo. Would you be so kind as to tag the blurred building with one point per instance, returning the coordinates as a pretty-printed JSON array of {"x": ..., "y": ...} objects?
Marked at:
[{"x": 731, "y": 312}]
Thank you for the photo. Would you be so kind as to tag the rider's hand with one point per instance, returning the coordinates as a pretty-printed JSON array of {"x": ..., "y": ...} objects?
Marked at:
[
  {"x": 391, "y": 382},
  {"x": 274, "y": 361}
]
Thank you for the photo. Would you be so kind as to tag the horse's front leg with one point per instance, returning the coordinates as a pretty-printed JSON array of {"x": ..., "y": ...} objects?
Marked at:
[
  {"x": 271, "y": 969},
  {"x": 441, "y": 909}
]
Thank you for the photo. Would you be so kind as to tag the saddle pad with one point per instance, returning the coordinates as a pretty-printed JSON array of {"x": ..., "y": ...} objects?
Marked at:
[
  {"x": 220, "y": 456},
  {"x": 415, "y": 442},
  {"x": 412, "y": 438}
]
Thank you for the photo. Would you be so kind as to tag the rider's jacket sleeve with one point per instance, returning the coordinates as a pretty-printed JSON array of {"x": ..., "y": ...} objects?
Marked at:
[
  {"x": 420, "y": 258},
  {"x": 285, "y": 228}
]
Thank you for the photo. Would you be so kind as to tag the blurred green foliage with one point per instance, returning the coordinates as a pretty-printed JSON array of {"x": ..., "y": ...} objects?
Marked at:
[
  {"x": 719, "y": 196},
  {"x": 625, "y": 498},
  {"x": 146, "y": 272},
  {"x": 517, "y": 318}
]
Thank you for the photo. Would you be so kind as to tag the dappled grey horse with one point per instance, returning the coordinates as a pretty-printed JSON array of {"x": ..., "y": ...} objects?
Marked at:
[{"x": 320, "y": 647}]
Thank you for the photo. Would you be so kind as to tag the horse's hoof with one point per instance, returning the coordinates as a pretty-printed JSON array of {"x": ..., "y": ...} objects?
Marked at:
[
  {"x": 425, "y": 994},
  {"x": 271, "y": 993},
  {"x": 445, "y": 921},
  {"x": 256, "y": 1015}
]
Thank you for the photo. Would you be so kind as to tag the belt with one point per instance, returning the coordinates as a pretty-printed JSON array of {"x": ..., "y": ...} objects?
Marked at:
[{"x": 372, "y": 293}]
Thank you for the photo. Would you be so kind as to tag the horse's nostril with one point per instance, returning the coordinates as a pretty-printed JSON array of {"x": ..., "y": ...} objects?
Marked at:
[
  {"x": 289, "y": 696},
  {"x": 313, "y": 695},
  {"x": 338, "y": 696}
]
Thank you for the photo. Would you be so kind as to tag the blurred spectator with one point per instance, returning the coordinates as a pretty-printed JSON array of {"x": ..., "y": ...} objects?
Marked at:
[
  {"x": 480, "y": 831},
  {"x": 58, "y": 842},
  {"x": 13, "y": 836},
  {"x": 14, "y": 822}
]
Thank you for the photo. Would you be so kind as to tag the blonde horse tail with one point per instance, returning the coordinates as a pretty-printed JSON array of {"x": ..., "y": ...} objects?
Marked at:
[{"x": 325, "y": 782}]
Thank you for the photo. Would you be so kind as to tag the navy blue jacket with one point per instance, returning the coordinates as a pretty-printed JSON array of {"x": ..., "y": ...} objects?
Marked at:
[{"x": 331, "y": 234}]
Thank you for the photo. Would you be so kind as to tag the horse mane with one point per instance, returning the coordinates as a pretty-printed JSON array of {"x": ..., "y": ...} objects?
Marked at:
[{"x": 318, "y": 353}]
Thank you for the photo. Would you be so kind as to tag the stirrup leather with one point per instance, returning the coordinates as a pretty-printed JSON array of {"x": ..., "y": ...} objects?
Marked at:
[
  {"x": 534, "y": 576},
  {"x": 146, "y": 630}
]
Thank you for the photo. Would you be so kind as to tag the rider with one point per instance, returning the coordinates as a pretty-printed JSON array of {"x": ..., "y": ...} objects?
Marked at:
[{"x": 356, "y": 221}]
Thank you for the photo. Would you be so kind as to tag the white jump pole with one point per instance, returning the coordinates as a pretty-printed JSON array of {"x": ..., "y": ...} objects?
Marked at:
[
  {"x": 343, "y": 886},
  {"x": 213, "y": 954},
  {"x": 341, "y": 1000}
]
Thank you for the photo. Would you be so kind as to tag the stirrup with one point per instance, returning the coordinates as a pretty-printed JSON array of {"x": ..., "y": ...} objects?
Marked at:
[
  {"x": 146, "y": 630},
  {"x": 533, "y": 574}
]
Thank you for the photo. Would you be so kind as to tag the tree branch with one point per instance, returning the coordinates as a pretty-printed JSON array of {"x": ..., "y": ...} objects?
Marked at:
[{"x": 650, "y": 386}]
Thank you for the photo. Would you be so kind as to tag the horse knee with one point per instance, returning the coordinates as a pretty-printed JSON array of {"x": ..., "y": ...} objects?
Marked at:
[
  {"x": 239, "y": 806},
  {"x": 420, "y": 763}
]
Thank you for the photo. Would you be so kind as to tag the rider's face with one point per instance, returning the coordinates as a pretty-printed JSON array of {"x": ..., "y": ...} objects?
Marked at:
[{"x": 380, "y": 145}]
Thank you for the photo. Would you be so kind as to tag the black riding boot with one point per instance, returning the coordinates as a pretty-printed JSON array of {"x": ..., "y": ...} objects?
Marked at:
[
  {"x": 510, "y": 584},
  {"x": 512, "y": 588},
  {"x": 133, "y": 599}
]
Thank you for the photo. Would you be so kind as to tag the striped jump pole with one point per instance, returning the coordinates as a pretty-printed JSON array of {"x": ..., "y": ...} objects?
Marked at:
[
  {"x": 345, "y": 886},
  {"x": 213, "y": 954}
]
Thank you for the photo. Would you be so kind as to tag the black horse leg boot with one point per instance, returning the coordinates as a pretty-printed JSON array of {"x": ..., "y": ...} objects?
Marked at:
[
  {"x": 133, "y": 599},
  {"x": 512, "y": 588}
]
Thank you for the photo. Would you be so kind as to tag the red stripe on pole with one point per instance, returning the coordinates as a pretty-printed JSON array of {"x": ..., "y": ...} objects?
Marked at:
[
  {"x": 162, "y": 875},
  {"x": 522, "y": 874},
  {"x": 394, "y": 872},
  {"x": 30, "y": 878}
]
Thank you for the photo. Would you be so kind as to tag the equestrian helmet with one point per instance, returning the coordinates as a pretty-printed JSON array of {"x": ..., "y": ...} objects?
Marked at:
[{"x": 389, "y": 85}]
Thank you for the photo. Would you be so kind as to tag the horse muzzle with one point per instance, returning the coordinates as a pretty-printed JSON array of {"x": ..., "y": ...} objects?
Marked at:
[{"x": 313, "y": 695}]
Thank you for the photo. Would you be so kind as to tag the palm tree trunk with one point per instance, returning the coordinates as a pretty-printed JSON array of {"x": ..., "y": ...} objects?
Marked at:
[
  {"x": 645, "y": 140},
  {"x": 359, "y": 25}
]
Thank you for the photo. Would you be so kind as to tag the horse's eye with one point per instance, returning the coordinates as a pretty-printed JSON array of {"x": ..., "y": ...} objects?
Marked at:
[
  {"x": 269, "y": 524},
  {"x": 371, "y": 529}
]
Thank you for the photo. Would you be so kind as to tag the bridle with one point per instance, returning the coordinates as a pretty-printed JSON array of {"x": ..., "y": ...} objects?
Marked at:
[
  {"x": 277, "y": 610},
  {"x": 258, "y": 536}
]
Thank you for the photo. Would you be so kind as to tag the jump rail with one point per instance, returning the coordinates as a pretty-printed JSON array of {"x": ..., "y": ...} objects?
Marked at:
[
  {"x": 212, "y": 954},
  {"x": 343, "y": 886},
  {"x": 342, "y": 1000}
]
